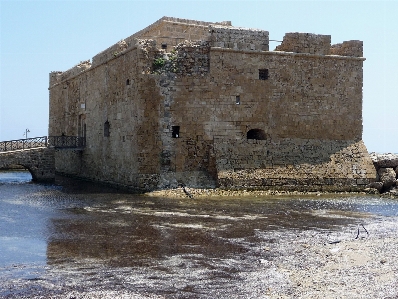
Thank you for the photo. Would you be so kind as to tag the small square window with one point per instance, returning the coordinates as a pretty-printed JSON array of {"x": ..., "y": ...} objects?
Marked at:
[
  {"x": 263, "y": 74},
  {"x": 175, "y": 131},
  {"x": 164, "y": 46}
]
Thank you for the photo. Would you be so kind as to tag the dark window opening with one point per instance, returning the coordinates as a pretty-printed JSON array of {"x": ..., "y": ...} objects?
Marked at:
[
  {"x": 164, "y": 46},
  {"x": 257, "y": 134},
  {"x": 263, "y": 74},
  {"x": 237, "y": 100},
  {"x": 175, "y": 131},
  {"x": 107, "y": 128},
  {"x": 128, "y": 82}
]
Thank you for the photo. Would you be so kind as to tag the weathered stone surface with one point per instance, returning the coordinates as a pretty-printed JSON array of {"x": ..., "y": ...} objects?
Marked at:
[
  {"x": 39, "y": 162},
  {"x": 387, "y": 177},
  {"x": 376, "y": 185},
  {"x": 348, "y": 48},
  {"x": 384, "y": 160},
  {"x": 196, "y": 103},
  {"x": 305, "y": 43}
]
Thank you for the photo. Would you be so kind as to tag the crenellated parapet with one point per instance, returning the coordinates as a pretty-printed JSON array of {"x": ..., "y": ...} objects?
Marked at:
[
  {"x": 193, "y": 39},
  {"x": 238, "y": 38},
  {"x": 319, "y": 44},
  {"x": 352, "y": 48},
  {"x": 57, "y": 77},
  {"x": 110, "y": 53},
  {"x": 310, "y": 43}
]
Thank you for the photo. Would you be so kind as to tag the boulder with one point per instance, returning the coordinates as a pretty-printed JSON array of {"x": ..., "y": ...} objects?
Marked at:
[
  {"x": 376, "y": 185},
  {"x": 384, "y": 160},
  {"x": 387, "y": 177}
]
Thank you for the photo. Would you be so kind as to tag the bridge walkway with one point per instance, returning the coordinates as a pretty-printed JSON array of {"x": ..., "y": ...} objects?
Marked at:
[{"x": 36, "y": 154}]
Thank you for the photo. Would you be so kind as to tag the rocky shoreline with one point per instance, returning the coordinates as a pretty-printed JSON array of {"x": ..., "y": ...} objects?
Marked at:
[
  {"x": 386, "y": 184},
  {"x": 387, "y": 173}
]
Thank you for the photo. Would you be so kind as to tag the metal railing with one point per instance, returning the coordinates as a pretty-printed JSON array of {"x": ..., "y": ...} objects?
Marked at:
[
  {"x": 21, "y": 144},
  {"x": 66, "y": 141},
  {"x": 44, "y": 141}
]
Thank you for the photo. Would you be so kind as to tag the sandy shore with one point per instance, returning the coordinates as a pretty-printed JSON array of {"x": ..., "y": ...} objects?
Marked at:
[{"x": 200, "y": 193}]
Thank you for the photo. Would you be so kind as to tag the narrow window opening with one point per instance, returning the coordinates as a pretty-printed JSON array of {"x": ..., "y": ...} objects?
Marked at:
[
  {"x": 263, "y": 74},
  {"x": 164, "y": 46},
  {"x": 237, "y": 100},
  {"x": 124, "y": 138},
  {"x": 128, "y": 82},
  {"x": 107, "y": 128},
  {"x": 257, "y": 134},
  {"x": 175, "y": 131}
]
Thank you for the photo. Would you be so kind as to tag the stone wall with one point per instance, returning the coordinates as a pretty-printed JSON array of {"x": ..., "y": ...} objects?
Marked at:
[
  {"x": 353, "y": 48},
  {"x": 239, "y": 38},
  {"x": 169, "y": 32},
  {"x": 305, "y": 43},
  {"x": 158, "y": 117},
  {"x": 68, "y": 161},
  {"x": 39, "y": 162},
  {"x": 292, "y": 164}
]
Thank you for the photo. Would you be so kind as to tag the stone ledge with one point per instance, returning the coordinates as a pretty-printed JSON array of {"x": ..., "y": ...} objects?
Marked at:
[{"x": 289, "y": 54}]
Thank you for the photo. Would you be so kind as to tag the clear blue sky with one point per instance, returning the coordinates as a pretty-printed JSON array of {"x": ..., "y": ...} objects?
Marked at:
[{"x": 38, "y": 37}]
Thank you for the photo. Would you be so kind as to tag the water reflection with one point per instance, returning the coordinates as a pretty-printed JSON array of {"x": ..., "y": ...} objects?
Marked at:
[
  {"x": 126, "y": 230},
  {"x": 14, "y": 176},
  {"x": 78, "y": 223}
]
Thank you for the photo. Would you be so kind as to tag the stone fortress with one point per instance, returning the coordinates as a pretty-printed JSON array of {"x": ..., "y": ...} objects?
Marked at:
[{"x": 207, "y": 105}]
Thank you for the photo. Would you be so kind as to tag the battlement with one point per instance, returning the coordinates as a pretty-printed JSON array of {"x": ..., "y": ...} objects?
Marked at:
[
  {"x": 110, "y": 53},
  {"x": 352, "y": 48},
  {"x": 239, "y": 38},
  {"x": 319, "y": 44},
  {"x": 57, "y": 77},
  {"x": 305, "y": 43},
  {"x": 167, "y": 34}
]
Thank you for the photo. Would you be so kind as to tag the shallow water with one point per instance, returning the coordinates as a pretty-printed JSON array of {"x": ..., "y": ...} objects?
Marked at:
[{"x": 85, "y": 235}]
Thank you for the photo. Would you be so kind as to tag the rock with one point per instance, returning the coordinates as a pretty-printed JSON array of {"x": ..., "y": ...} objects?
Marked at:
[
  {"x": 387, "y": 177},
  {"x": 371, "y": 191},
  {"x": 375, "y": 185},
  {"x": 384, "y": 160},
  {"x": 396, "y": 171}
]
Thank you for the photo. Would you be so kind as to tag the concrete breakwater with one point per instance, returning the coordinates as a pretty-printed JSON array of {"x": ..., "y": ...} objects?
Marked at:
[{"x": 387, "y": 173}]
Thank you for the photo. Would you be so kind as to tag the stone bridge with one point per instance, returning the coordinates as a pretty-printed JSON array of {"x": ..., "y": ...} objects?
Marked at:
[
  {"x": 37, "y": 154},
  {"x": 39, "y": 161}
]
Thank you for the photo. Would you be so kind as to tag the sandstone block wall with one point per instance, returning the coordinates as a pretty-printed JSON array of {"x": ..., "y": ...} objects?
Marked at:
[
  {"x": 239, "y": 38},
  {"x": 39, "y": 162},
  {"x": 156, "y": 117},
  {"x": 353, "y": 48},
  {"x": 305, "y": 43},
  {"x": 287, "y": 163},
  {"x": 68, "y": 161}
]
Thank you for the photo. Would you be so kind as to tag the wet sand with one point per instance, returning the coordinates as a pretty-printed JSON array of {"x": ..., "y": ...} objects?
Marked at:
[{"x": 82, "y": 241}]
